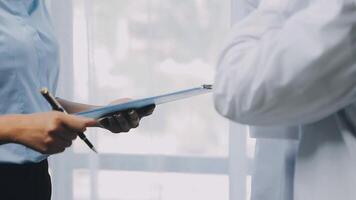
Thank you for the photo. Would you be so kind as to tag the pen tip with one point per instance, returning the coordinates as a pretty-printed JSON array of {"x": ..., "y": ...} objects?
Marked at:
[{"x": 93, "y": 148}]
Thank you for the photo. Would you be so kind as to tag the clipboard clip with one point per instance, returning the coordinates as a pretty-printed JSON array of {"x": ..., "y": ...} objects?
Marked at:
[{"x": 206, "y": 86}]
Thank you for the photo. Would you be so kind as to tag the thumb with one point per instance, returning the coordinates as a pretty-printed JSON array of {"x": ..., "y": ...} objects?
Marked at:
[
  {"x": 79, "y": 123},
  {"x": 88, "y": 122}
]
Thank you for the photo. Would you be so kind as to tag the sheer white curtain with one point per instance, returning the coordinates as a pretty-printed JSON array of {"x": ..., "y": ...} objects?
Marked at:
[{"x": 134, "y": 48}]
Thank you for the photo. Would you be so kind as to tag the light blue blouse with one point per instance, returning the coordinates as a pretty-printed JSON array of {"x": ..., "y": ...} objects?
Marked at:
[{"x": 28, "y": 61}]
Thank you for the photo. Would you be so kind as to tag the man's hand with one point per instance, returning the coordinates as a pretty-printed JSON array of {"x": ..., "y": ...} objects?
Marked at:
[
  {"x": 50, "y": 132},
  {"x": 117, "y": 122},
  {"x": 126, "y": 120}
]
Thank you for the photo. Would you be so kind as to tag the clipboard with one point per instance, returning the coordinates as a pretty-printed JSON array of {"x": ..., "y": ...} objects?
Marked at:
[{"x": 139, "y": 103}]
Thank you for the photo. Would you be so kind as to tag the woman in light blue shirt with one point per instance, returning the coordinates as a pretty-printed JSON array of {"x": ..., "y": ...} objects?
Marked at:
[{"x": 29, "y": 131}]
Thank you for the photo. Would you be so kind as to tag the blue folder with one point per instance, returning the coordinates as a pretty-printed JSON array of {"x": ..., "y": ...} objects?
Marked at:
[{"x": 139, "y": 103}]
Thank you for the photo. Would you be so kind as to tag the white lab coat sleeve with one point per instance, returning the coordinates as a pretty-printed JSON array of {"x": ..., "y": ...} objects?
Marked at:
[{"x": 279, "y": 70}]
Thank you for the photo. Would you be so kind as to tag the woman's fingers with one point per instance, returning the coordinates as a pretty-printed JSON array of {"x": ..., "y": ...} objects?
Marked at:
[
  {"x": 62, "y": 143},
  {"x": 79, "y": 124},
  {"x": 67, "y": 134},
  {"x": 56, "y": 144}
]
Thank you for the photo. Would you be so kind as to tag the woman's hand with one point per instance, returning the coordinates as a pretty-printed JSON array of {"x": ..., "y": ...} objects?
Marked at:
[
  {"x": 50, "y": 132},
  {"x": 126, "y": 120}
]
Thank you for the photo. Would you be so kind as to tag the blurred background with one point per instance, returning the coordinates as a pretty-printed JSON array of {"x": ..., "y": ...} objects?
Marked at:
[{"x": 135, "y": 48}]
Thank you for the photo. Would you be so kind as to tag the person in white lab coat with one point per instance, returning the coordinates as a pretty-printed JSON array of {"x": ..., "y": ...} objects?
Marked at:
[
  {"x": 274, "y": 157},
  {"x": 290, "y": 65}
]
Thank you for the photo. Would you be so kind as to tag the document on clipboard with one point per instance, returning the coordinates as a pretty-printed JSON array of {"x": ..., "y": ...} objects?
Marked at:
[{"x": 139, "y": 103}]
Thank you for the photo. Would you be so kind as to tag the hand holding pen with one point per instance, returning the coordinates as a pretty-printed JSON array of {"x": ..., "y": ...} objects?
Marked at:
[
  {"x": 57, "y": 107},
  {"x": 45, "y": 132}
]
